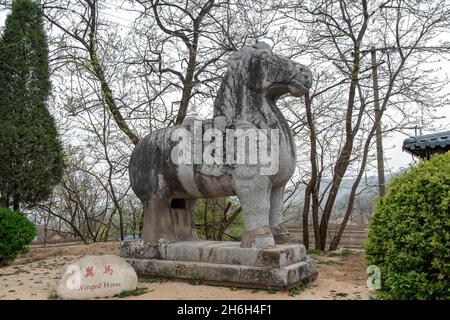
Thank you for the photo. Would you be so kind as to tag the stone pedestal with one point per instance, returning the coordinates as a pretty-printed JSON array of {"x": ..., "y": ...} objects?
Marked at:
[{"x": 223, "y": 263}]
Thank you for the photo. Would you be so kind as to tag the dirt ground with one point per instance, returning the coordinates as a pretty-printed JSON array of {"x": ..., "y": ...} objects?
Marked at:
[{"x": 36, "y": 275}]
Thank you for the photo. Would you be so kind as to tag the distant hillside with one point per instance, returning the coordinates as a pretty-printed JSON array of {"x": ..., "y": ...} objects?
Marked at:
[{"x": 366, "y": 193}]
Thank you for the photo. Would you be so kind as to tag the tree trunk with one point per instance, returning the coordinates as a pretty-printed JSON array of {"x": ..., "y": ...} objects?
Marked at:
[
  {"x": 106, "y": 91},
  {"x": 335, "y": 242},
  {"x": 305, "y": 213},
  {"x": 343, "y": 160},
  {"x": 340, "y": 169},
  {"x": 313, "y": 183},
  {"x": 16, "y": 202},
  {"x": 3, "y": 202},
  {"x": 379, "y": 138},
  {"x": 141, "y": 223},
  {"x": 187, "y": 83}
]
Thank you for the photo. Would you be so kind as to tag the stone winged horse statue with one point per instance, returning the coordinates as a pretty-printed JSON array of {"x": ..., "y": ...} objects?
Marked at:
[{"x": 254, "y": 80}]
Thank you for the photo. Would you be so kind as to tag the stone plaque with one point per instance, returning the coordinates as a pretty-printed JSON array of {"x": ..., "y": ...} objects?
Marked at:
[{"x": 96, "y": 277}]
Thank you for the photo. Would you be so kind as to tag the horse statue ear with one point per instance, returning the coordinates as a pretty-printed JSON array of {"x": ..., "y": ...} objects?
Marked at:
[
  {"x": 261, "y": 45},
  {"x": 263, "y": 50}
]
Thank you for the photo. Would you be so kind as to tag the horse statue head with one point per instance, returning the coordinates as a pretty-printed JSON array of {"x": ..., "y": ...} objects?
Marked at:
[{"x": 256, "y": 78}]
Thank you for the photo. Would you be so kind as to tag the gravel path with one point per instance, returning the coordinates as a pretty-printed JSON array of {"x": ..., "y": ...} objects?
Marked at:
[{"x": 36, "y": 275}]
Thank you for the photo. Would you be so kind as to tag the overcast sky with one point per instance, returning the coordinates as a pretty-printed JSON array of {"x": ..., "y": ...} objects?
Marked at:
[{"x": 395, "y": 158}]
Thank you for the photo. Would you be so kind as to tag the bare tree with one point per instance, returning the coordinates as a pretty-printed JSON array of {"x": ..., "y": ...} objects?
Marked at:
[
  {"x": 337, "y": 34},
  {"x": 117, "y": 78}
]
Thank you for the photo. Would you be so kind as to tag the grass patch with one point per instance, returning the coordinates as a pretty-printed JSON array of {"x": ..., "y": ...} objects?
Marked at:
[
  {"x": 330, "y": 262},
  {"x": 346, "y": 252},
  {"x": 297, "y": 290},
  {"x": 332, "y": 254},
  {"x": 53, "y": 296},
  {"x": 341, "y": 294},
  {"x": 335, "y": 294},
  {"x": 317, "y": 252},
  {"x": 17, "y": 271},
  {"x": 271, "y": 290},
  {"x": 131, "y": 293},
  {"x": 195, "y": 279},
  {"x": 254, "y": 291},
  {"x": 374, "y": 297},
  {"x": 153, "y": 279},
  {"x": 342, "y": 253}
]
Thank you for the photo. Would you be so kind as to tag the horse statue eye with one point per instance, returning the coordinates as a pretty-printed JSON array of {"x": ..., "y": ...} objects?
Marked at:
[{"x": 265, "y": 55}]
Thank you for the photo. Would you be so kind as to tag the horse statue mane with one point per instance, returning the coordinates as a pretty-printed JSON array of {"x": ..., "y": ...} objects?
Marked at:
[
  {"x": 245, "y": 73},
  {"x": 254, "y": 80},
  {"x": 237, "y": 74}
]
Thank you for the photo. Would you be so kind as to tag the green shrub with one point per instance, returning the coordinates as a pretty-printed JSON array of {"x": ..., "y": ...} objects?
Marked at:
[
  {"x": 409, "y": 236},
  {"x": 16, "y": 232}
]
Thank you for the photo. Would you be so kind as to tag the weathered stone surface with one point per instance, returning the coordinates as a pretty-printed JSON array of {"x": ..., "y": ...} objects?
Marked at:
[
  {"x": 223, "y": 262},
  {"x": 218, "y": 252},
  {"x": 255, "y": 79},
  {"x": 230, "y": 275},
  {"x": 96, "y": 276}
]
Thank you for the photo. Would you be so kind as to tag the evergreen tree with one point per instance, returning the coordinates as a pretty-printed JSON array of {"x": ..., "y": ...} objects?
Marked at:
[{"x": 31, "y": 159}]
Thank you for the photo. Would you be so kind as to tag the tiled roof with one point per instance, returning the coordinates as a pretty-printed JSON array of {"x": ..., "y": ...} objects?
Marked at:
[{"x": 439, "y": 140}]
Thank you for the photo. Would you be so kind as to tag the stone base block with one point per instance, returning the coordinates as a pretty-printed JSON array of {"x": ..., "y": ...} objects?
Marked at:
[
  {"x": 223, "y": 263},
  {"x": 216, "y": 252}
]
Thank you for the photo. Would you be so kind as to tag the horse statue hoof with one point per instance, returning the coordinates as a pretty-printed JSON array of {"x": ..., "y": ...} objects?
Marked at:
[
  {"x": 281, "y": 235},
  {"x": 258, "y": 238}
]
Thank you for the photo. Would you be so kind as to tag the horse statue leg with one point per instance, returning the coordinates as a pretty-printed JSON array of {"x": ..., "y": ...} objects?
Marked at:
[
  {"x": 253, "y": 191},
  {"x": 280, "y": 234}
]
